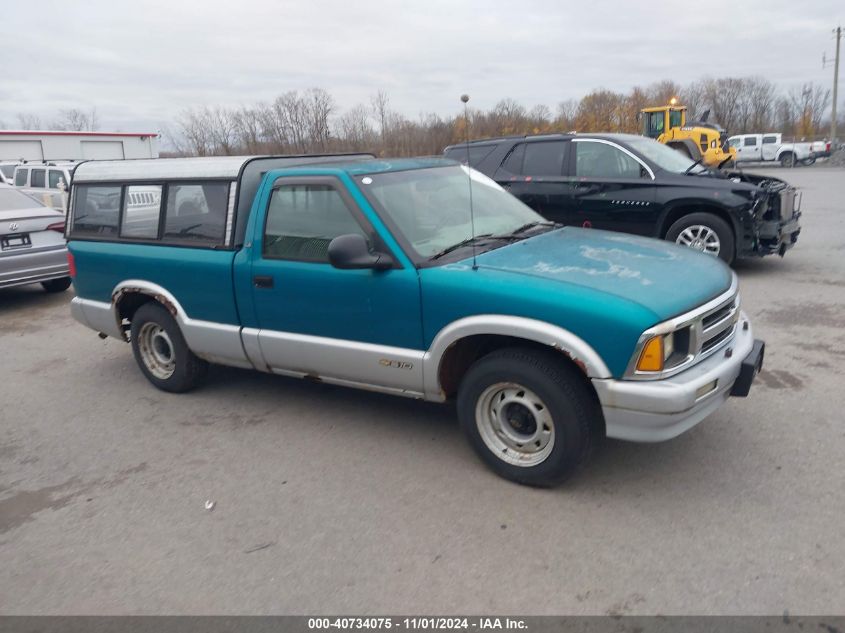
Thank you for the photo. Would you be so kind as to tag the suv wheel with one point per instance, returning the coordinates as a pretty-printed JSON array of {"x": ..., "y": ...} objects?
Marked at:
[
  {"x": 161, "y": 352},
  {"x": 529, "y": 417},
  {"x": 704, "y": 232}
]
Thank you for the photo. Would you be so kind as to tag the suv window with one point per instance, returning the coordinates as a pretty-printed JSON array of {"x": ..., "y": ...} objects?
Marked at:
[
  {"x": 196, "y": 212},
  {"x": 750, "y": 140},
  {"x": 513, "y": 162},
  {"x": 141, "y": 211},
  {"x": 600, "y": 160},
  {"x": 36, "y": 179},
  {"x": 20, "y": 177},
  {"x": 96, "y": 210},
  {"x": 544, "y": 158},
  {"x": 303, "y": 219},
  {"x": 477, "y": 153}
]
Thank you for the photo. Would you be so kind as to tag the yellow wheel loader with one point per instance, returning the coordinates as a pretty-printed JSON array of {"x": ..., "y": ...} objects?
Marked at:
[{"x": 701, "y": 141}]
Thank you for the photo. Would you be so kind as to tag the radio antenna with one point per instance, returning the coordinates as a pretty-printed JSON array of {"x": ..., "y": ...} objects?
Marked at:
[{"x": 464, "y": 100}]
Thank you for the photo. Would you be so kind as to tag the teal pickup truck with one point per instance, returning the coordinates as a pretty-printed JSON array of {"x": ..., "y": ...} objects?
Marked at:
[{"x": 417, "y": 277}]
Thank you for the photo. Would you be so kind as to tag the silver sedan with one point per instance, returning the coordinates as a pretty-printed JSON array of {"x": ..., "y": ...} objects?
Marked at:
[{"x": 32, "y": 243}]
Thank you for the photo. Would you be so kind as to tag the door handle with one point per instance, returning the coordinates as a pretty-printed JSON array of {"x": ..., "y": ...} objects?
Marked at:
[{"x": 263, "y": 281}]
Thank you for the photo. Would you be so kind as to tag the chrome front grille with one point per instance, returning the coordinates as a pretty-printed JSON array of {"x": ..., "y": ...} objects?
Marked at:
[
  {"x": 697, "y": 334},
  {"x": 715, "y": 327}
]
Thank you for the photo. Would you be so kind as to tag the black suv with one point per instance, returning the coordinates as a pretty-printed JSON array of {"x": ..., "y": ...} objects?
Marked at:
[{"x": 634, "y": 184}]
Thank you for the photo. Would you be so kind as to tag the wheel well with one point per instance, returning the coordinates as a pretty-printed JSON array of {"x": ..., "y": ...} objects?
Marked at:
[
  {"x": 128, "y": 300},
  {"x": 464, "y": 352},
  {"x": 678, "y": 212}
]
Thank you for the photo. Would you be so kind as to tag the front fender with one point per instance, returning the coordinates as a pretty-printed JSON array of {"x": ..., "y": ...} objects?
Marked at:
[{"x": 503, "y": 325}]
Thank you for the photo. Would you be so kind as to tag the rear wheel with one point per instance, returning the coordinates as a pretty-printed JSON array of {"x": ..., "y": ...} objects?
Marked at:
[
  {"x": 787, "y": 159},
  {"x": 56, "y": 285},
  {"x": 704, "y": 232},
  {"x": 161, "y": 352},
  {"x": 528, "y": 416}
]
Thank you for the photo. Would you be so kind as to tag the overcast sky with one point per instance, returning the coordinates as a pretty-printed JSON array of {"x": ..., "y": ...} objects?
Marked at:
[{"x": 140, "y": 62}]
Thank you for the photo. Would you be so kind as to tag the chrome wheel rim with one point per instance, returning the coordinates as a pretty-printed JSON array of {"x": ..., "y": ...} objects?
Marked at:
[
  {"x": 700, "y": 238},
  {"x": 156, "y": 350},
  {"x": 515, "y": 424}
]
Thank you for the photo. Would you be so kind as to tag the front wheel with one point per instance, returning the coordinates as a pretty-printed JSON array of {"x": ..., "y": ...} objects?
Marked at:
[
  {"x": 161, "y": 351},
  {"x": 704, "y": 232},
  {"x": 528, "y": 415}
]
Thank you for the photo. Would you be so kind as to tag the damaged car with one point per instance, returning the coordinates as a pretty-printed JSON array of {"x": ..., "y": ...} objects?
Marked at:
[{"x": 633, "y": 184}]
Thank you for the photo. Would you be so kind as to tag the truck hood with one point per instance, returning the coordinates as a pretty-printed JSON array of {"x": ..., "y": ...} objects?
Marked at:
[{"x": 662, "y": 277}]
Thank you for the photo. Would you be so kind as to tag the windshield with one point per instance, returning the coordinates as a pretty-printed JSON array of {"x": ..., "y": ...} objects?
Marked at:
[
  {"x": 8, "y": 171},
  {"x": 431, "y": 209},
  {"x": 663, "y": 156},
  {"x": 12, "y": 199}
]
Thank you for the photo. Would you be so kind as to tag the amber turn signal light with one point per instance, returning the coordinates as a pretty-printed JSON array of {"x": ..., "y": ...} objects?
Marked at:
[{"x": 651, "y": 358}]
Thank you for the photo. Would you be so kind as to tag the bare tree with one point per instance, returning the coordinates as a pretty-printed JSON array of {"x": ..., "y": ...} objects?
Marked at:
[
  {"x": 810, "y": 102},
  {"x": 380, "y": 104},
  {"x": 319, "y": 105},
  {"x": 29, "y": 121},
  {"x": 566, "y": 113},
  {"x": 76, "y": 120}
]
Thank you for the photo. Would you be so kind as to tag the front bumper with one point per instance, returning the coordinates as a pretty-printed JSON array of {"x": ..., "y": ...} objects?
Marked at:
[{"x": 653, "y": 411}]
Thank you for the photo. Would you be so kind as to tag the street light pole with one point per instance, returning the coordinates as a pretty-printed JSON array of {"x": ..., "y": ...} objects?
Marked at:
[{"x": 835, "y": 86}]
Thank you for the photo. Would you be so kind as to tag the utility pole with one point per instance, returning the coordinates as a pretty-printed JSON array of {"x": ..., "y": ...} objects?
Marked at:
[{"x": 838, "y": 32}]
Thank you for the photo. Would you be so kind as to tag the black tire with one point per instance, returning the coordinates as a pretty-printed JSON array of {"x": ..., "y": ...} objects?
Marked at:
[
  {"x": 727, "y": 243},
  {"x": 56, "y": 285},
  {"x": 155, "y": 335},
  {"x": 575, "y": 417},
  {"x": 788, "y": 160}
]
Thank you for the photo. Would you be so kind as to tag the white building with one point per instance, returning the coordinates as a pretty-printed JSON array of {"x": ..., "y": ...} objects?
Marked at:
[{"x": 60, "y": 146}]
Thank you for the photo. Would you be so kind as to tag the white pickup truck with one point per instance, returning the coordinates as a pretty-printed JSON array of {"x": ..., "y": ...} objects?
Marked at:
[{"x": 770, "y": 147}]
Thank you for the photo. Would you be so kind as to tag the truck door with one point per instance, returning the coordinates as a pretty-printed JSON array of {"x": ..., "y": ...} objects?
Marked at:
[
  {"x": 769, "y": 148},
  {"x": 357, "y": 325},
  {"x": 750, "y": 148},
  {"x": 610, "y": 189}
]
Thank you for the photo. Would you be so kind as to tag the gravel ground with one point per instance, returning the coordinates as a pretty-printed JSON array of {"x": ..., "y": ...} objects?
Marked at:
[{"x": 327, "y": 500}]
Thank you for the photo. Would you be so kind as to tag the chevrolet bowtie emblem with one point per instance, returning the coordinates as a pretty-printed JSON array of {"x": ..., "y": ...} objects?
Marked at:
[{"x": 13, "y": 226}]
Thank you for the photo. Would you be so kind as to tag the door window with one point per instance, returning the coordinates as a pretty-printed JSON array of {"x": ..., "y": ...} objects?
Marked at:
[
  {"x": 750, "y": 141},
  {"x": 600, "y": 160},
  {"x": 20, "y": 177},
  {"x": 303, "y": 219},
  {"x": 544, "y": 159},
  {"x": 513, "y": 162},
  {"x": 768, "y": 140}
]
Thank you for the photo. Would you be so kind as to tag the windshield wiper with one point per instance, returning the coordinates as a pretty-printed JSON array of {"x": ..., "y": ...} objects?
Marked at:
[
  {"x": 460, "y": 244},
  {"x": 525, "y": 227}
]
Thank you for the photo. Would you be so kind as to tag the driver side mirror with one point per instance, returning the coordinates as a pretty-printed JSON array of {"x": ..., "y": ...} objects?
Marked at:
[{"x": 351, "y": 251}]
